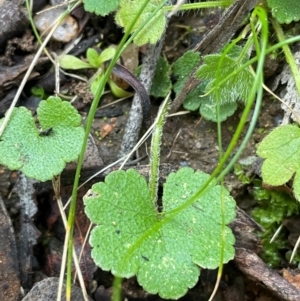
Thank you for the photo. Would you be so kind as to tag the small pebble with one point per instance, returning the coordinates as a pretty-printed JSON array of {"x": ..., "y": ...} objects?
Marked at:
[
  {"x": 198, "y": 145},
  {"x": 66, "y": 31}
]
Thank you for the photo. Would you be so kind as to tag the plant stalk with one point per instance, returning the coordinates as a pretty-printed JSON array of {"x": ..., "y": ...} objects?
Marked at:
[
  {"x": 70, "y": 226},
  {"x": 155, "y": 149},
  {"x": 288, "y": 53}
]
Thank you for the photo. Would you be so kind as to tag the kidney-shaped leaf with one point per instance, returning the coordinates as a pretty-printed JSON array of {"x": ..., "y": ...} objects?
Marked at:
[
  {"x": 281, "y": 151},
  {"x": 285, "y": 11},
  {"x": 164, "y": 249},
  {"x": 42, "y": 153}
]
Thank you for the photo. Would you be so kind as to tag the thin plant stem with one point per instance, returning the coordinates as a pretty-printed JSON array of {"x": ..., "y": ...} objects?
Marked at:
[
  {"x": 117, "y": 284},
  {"x": 257, "y": 88},
  {"x": 70, "y": 226},
  {"x": 155, "y": 150},
  {"x": 288, "y": 53},
  {"x": 259, "y": 79},
  {"x": 220, "y": 146},
  {"x": 33, "y": 27},
  {"x": 219, "y": 173},
  {"x": 254, "y": 60},
  {"x": 207, "y": 4}
]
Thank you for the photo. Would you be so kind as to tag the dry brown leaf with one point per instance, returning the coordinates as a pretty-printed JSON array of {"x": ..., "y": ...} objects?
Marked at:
[{"x": 292, "y": 277}]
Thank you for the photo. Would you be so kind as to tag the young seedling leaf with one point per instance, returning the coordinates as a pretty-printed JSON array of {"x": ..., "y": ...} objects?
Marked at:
[
  {"x": 153, "y": 30},
  {"x": 38, "y": 91},
  {"x": 285, "y": 11},
  {"x": 236, "y": 88},
  {"x": 164, "y": 250},
  {"x": 183, "y": 67},
  {"x": 101, "y": 7},
  {"x": 117, "y": 91},
  {"x": 281, "y": 151},
  {"x": 93, "y": 57},
  {"x": 71, "y": 62},
  {"x": 42, "y": 153},
  {"x": 161, "y": 84},
  {"x": 106, "y": 55}
]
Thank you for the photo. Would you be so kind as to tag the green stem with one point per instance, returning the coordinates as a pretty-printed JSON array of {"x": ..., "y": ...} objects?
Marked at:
[
  {"x": 288, "y": 53},
  {"x": 254, "y": 60},
  {"x": 256, "y": 88},
  {"x": 207, "y": 4},
  {"x": 155, "y": 150},
  {"x": 117, "y": 285},
  {"x": 255, "y": 37},
  {"x": 218, "y": 174},
  {"x": 90, "y": 118},
  {"x": 33, "y": 27},
  {"x": 251, "y": 129}
]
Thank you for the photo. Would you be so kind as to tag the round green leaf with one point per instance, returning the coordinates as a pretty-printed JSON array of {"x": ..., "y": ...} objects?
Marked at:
[
  {"x": 164, "y": 250},
  {"x": 285, "y": 11},
  {"x": 183, "y": 67},
  {"x": 100, "y": 7},
  {"x": 42, "y": 153},
  {"x": 281, "y": 151},
  {"x": 236, "y": 87}
]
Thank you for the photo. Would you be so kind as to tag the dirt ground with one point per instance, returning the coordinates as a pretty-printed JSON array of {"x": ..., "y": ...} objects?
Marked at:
[{"x": 188, "y": 140}]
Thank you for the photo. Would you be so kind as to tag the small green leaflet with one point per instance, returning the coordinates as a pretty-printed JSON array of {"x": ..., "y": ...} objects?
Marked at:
[
  {"x": 71, "y": 62},
  {"x": 92, "y": 56},
  {"x": 101, "y": 7},
  {"x": 281, "y": 151},
  {"x": 285, "y": 11},
  {"x": 42, "y": 154},
  {"x": 163, "y": 250},
  {"x": 206, "y": 106},
  {"x": 209, "y": 111},
  {"x": 106, "y": 55},
  {"x": 235, "y": 88},
  {"x": 153, "y": 30},
  {"x": 183, "y": 67},
  {"x": 161, "y": 84}
]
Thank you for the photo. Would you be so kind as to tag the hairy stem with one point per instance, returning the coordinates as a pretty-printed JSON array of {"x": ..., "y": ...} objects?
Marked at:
[{"x": 134, "y": 122}]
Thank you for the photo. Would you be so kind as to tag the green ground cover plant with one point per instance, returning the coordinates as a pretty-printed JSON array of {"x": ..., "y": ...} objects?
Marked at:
[
  {"x": 165, "y": 247},
  {"x": 96, "y": 61},
  {"x": 282, "y": 206},
  {"x": 26, "y": 142},
  {"x": 188, "y": 231},
  {"x": 280, "y": 149}
]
